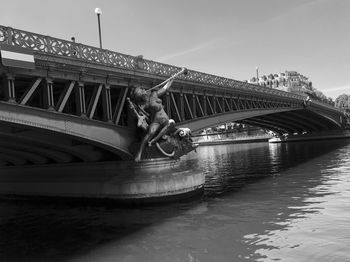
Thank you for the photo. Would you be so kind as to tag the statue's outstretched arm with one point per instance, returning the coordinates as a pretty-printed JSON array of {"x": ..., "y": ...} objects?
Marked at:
[
  {"x": 163, "y": 90},
  {"x": 170, "y": 79}
]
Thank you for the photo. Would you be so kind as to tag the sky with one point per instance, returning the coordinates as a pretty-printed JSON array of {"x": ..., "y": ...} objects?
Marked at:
[{"x": 229, "y": 38}]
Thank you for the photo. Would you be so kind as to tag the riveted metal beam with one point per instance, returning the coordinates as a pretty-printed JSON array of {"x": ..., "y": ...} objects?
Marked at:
[
  {"x": 80, "y": 103},
  {"x": 200, "y": 106},
  {"x": 62, "y": 101},
  {"x": 176, "y": 107},
  {"x": 94, "y": 99},
  {"x": 48, "y": 95},
  {"x": 120, "y": 105},
  {"x": 182, "y": 105},
  {"x": 229, "y": 106},
  {"x": 210, "y": 106},
  {"x": 216, "y": 101},
  {"x": 107, "y": 103},
  {"x": 9, "y": 88},
  {"x": 204, "y": 100},
  {"x": 188, "y": 107},
  {"x": 27, "y": 95},
  {"x": 168, "y": 105},
  {"x": 194, "y": 106}
]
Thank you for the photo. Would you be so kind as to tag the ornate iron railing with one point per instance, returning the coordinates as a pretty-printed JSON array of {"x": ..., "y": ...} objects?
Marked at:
[{"x": 59, "y": 47}]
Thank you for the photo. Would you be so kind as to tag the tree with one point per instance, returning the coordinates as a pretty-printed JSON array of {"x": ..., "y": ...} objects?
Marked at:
[
  {"x": 343, "y": 101},
  {"x": 330, "y": 101}
]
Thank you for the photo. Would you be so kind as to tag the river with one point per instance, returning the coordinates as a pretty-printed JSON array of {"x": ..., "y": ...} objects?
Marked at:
[{"x": 261, "y": 202}]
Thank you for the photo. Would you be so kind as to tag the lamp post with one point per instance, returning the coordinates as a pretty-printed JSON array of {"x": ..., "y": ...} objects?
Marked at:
[
  {"x": 257, "y": 74},
  {"x": 98, "y": 12}
]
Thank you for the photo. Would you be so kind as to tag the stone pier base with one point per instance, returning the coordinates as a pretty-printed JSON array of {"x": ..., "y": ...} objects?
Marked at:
[{"x": 152, "y": 179}]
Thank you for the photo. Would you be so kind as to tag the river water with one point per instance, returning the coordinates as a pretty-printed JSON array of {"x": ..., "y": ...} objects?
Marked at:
[{"x": 277, "y": 202}]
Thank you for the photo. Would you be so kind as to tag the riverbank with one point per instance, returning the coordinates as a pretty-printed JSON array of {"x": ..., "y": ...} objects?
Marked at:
[{"x": 236, "y": 140}]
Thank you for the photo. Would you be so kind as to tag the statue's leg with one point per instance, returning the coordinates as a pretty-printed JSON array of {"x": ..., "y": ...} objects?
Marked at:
[
  {"x": 142, "y": 146},
  {"x": 151, "y": 131},
  {"x": 161, "y": 132}
]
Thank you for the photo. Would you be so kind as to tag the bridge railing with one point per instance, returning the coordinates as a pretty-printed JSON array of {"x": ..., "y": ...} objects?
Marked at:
[{"x": 59, "y": 47}]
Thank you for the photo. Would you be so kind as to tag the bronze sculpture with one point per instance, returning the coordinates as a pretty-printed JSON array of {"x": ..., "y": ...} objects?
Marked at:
[{"x": 153, "y": 120}]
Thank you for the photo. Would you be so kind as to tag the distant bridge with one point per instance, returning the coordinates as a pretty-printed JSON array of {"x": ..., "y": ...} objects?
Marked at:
[{"x": 71, "y": 106}]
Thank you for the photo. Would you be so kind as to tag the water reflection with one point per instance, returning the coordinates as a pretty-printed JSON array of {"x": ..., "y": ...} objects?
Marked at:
[
  {"x": 288, "y": 202},
  {"x": 314, "y": 225}
]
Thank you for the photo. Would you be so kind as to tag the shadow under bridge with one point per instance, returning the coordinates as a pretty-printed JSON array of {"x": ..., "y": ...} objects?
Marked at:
[{"x": 281, "y": 118}]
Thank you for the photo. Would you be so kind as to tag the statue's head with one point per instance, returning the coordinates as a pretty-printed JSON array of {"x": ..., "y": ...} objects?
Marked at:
[{"x": 139, "y": 94}]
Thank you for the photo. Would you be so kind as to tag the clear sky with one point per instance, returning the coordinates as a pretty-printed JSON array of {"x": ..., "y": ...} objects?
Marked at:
[{"x": 222, "y": 37}]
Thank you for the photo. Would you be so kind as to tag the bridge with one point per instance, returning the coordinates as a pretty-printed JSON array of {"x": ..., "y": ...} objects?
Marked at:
[{"x": 70, "y": 107}]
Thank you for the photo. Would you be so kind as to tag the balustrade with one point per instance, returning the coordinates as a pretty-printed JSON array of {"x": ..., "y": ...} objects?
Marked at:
[{"x": 59, "y": 47}]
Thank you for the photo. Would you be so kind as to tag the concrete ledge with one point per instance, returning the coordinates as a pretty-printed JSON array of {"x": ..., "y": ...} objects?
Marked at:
[{"x": 336, "y": 134}]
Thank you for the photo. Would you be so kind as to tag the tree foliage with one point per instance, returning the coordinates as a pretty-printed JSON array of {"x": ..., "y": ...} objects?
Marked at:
[
  {"x": 313, "y": 93},
  {"x": 343, "y": 101}
]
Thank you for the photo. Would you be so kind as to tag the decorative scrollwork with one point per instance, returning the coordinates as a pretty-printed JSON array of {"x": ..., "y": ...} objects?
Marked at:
[{"x": 28, "y": 40}]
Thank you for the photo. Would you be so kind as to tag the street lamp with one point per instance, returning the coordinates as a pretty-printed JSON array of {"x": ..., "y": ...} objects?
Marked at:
[
  {"x": 257, "y": 74},
  {"x": 98, "y": 12}
]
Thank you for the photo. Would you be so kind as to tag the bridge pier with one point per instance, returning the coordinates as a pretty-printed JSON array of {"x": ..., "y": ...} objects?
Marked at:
[{"x": 149, "y": 180}]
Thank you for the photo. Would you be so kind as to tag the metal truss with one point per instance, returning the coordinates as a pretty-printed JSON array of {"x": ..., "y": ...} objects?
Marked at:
[
  {"x": 101, "y": 101},
  {"x": 184, "y": 106},
  {"x": 93, "y": 101}
]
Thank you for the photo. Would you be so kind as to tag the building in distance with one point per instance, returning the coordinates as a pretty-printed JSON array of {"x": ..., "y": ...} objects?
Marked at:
[{"x": 291, "y": 81}]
